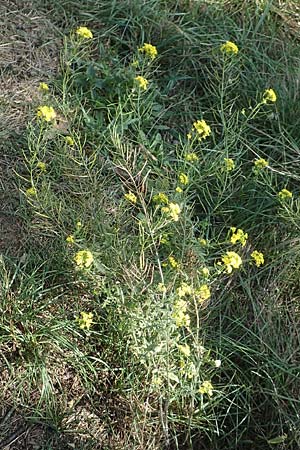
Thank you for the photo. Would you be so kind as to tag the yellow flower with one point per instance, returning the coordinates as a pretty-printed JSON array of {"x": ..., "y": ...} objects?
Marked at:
[
  {"x": 78, "y": 225},
  {"x": 184, "y": 349},
  {"x": 202, "y": 242},
  {"x": 142, "y": 82},
  {"x": 261, "y": 163},
  {"x": 173, "y": 210},
  {"x": 205, "y": 271},
  {"x": 160, "y": 198},
  {"x": 180, "y": 316},
  {"x": 178, "y": 190},
  {"x": 184, "y": 289},
  {"x": 46, "y": 113},
  {"x": 84, "y": 33},
  {"x": 203, "y": 293},
  {"x": 85, "y": 321},
  {"x": 206, "y": 388},
  {"x": 84, "y": 259},
  {"x": 231, "y": 260},
  {"x": 269, "y": 96},
  {"x": 173, "y": 263},
  {"x": 69, "y": 140},
  {"x": 131, "y": 197},
  {"x": 238, "y": 236},
  {"x": 258, "y": 258},
  {"x": 229, "y": 164},
  {"x": 149, "y": 50},
  {"x": 284, "y": 194},
  {"x": 161, "y": 288},
  {"x": 43, "y": 87},
  {"x": 70, "y": 239},
  {"x": 202, "y": 129},
  {"x": 230, "y": 48},
  {"x": 42, "y": 166},
  {"x": 191, "y": 157},
  {"x": 183, "y": 178},
  {"x": 31, "y": 192}
]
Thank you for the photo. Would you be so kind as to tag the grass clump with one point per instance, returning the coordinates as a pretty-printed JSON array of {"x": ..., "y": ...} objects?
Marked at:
[{"x": 159, "y": 188}]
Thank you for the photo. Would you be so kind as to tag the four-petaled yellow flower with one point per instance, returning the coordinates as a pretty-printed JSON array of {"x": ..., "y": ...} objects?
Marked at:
[
  {"x": 238, "y": 236},
  {"x": 84, "y": 33},
  {"x": 43, "y": 87},
  {"x": 130, "y": 197},
  {"x": 202, "y": 129},
  {"x": 160, "y": 198},
  {"x": 230, "y": 48},
  {"x": 284, "y": 194},
  {"x": 206, "y": 388},
  {"x": 191, "y": 157},
  {"x": 84, "y": 259},
  {"x": 269, "y": 96},
  {"x": 178, "y": 190},
  {"x": 85, "y": 320},
  {"x": 261, "y": 163},
  {"x": 142, "y": 82},
  {"x": 183, "y": 178},
  {"x": 258, "y": 258},
  {"x": 203, "y": 293},
  {"x": 149, "y": 50},
  {"x": 46, "y": 113},
  {"x": 229, "y": 164},
  {"x": 231, "y": 260}
]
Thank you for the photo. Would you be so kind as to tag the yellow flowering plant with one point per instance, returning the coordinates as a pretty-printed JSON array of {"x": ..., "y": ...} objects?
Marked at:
[
  {"x": 142, "y": 82},
  {"x": 149, "y": 50},
  {"x": 84, "y": 33},
  {"x": 269, "y": 96},
  {"x": 258, "y": 258},
  {"x": 84, "y": 259},
  {"x": 46, "y": 113},
  {"x": 229, "y": 48},
  {"x": 85, "y": 320},
  {"x": 284, "y": 194},
  {"x": 231, "y": 260}
]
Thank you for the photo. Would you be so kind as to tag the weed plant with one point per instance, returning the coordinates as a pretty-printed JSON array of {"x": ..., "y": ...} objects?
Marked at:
[{"x": 160, "y": 191}]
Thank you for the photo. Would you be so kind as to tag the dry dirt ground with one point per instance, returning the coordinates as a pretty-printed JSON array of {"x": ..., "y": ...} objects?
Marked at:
[{"x": 29, "y": 54}]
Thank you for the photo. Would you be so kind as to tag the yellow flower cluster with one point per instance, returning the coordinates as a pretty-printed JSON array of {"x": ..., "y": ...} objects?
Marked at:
[
  {"x": 191, "y": 157},
  {"x": 231, "y": 260},
  {"x": 43, "y": 87},
  {"x": 85, "y": 320},
  {"x": 46, "y": 113},
  {"x": 31, "y": 192},
  {"x": 229, "y": 164},
  {"x": 130, "y": 197},
  {"x": 261, "y": 163},
  {"x": 184, "y": 289},
  {"x": 84, "y": 33},
  {"x": 230, "y": 48},
  {"x": 284, "y": 194},
  {"x": 69, "y": 140},
  {"x": 142, "y": 82},
  {"x": 173, "y": 263},
  {"x": 269, "y": 96},
  {"x": 149, "y": 50},
  {"x": 41, "y": 166},
  {"x": 202, "y": 293},
  {"x": 258, "y": 258},
  {"x": 70, "y": 239},
  {"x": 206, "y": 388},
  {"x": 160, "y": 198},
  {"x": 238, "y": 235},
  {"x": 173, "y": 211},
  {"x": 201, "y": 128},
  {"x": 84, "y": 259},
  {"x": 184, "y": 349},
  {"x": 180, "y": 315},
  {"x": 183, "y": 178}
]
